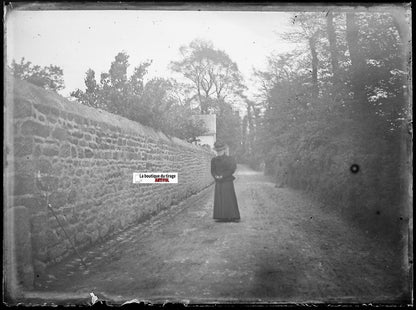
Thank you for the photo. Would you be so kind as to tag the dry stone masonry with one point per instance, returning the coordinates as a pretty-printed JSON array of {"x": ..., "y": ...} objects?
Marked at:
[{"x": 81, "y": 160}]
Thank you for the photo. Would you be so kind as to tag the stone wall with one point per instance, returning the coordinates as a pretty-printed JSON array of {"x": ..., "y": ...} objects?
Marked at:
[{"x": 81, "y": 160}]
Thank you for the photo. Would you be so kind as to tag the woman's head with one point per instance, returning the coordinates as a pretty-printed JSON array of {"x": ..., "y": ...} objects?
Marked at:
[{"x": 221, "y": 148}]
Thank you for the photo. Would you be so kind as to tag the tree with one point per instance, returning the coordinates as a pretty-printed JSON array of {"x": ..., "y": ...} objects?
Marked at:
[
  {"x": 116, "y": 92},
  {"x": 213, "y": 75},
  {"x": 186, "y": 128},
  {"x": 136, "y": 81},
  {"x": 229, "y": 127},
  {"x": 358, "y": 65},
  {"x": 91, "y": 95},
  {"x": 309, "y": 144},
  {"x": 156, "y": 103},
  {"x": 49, "y": 77},
  {"x": 250, "y": 125},
  {"x": 310, "y": 30},
  {"x": 332, "y": 39},
  {"x": 114, "y": 86}
]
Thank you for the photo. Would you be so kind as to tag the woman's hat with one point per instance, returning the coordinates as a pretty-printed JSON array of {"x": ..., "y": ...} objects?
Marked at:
[{"x": 219, "y": 146}]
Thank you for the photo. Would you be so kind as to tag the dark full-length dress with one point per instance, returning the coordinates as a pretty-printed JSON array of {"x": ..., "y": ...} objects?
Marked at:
[{"x": 225, "y": 201}]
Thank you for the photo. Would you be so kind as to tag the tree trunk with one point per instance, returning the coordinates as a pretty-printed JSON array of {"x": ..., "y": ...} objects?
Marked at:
[
  {"x": 256, "y": 113},
  {"x": 250, "y": 136},
  {"x": 244, "y": 136},
  {"x": 362, "y": 111},
  {"x": 312, "y": 46},
  {"x": 333, "y": 47},
  {"x": 200, "y": 99},
  {"x": 357, "y": 64}
]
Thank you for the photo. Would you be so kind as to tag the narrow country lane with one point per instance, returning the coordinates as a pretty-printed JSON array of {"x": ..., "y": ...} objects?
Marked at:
[{"x": 286, "y": 248}]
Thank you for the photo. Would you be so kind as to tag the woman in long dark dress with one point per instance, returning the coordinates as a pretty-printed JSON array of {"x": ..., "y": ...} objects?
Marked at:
[{"x": 225, "y": 201}]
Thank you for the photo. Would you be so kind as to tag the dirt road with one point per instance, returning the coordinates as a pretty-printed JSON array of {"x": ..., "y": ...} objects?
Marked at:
[{"x": 286, "y": 248}]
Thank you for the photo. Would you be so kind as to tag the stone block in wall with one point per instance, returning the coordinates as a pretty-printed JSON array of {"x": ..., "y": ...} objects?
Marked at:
[
  {"x": 52, "y": 238},
  {"x": 103, "y": 230},
  {"x": 52, "y": 119},
  {"x": 73, "y": 152},
  {"x": 38, "y": 222},
  {"x": 22, "y": 108},
  {"x": 78, "y": 119},
  {"x": 55, "y": 112},
  {"x": 78, "y": 134},
  {"x": 57, "y": 251},
  {"x": 57, "y": 169},
  {"x": 80, "y": 237},
  {"x": 72, "y": 196},
  {"x": 19, "y": 224},
  {"x": 50, "y": 151},
  {"x": 49, "y": 182},
  {"x": 58, "y": 199},
  {"x": 32, "y": 128},
  {"x": 34, "y": 203},
  {"x": 37, "y": 151},
  {"x": 92, "y": 145},
  {"x": 39, "y": 245},
  {"x": 107, "y": 155},
  {"x": 23, "y": 166},
  {"x": 88, "y": 153},
  {"x": 42, "y": 108},
  {"x": 80, "y": 152},
  {"x": 79, "y": 172},
  {"x": 60, "y": 134},
  {"x": 73, "y": 140},
  {"x": 43, "y": 165},
  {"x": 24, "y": 184},
  {"x": 94, "y": 235},
  {"x": 23, "y": 146},
  {"x": 51, "y": 142},
  {"x": 65, "y": 150}
]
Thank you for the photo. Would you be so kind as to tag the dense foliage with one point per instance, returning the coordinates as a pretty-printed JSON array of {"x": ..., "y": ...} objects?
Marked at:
[
  {"x": 339, "y": 100},
  {"x": 153, "y": 103},
  {"x": 49, "y": 77},
  {"x": 215, "y": 85},
  {"x": 166, "y": 104},
  {"x": 214, "y": 78}
]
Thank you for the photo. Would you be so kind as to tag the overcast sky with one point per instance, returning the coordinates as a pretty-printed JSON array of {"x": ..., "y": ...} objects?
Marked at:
[{"x": 79, "y": 40}]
